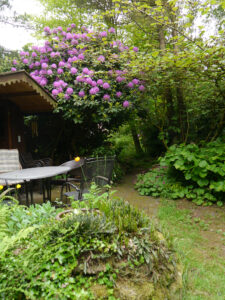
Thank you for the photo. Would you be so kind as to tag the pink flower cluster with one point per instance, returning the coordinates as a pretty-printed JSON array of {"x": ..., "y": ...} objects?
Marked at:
[{"x": 63, "y": 67}]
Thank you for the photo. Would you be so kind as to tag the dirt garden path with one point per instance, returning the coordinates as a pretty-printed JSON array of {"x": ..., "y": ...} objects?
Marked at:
[{"x": 211, "y": 220}]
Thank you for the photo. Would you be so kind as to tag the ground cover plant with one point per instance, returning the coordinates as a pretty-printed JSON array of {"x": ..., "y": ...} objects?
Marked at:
[
  {"x": 196, "y": 173},
  {"x": 198, "y": 247},
  {"x": 105, "y": 249}
]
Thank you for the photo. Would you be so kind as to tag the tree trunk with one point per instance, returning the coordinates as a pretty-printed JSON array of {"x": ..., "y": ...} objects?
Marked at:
[{"x": 135, "y": 138}]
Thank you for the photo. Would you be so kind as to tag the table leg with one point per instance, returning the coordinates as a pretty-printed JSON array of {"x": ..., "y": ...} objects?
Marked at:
[
  {"x": 31, "y": 192},
  {"x": 43, "y": 190},
  {"x": 27, "y": 193}
]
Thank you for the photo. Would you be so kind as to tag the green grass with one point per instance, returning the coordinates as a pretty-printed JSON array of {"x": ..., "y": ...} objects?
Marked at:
[{"x": 204, "y": 267}]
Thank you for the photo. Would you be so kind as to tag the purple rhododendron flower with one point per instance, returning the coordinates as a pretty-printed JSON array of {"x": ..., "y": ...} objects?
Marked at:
[
  {"x": 55, "y": 92},
  {"x": 112, "y": 30},
  {"x": 47, "y": 29},
  {"x": 94, "y": 90},
  {"x": 106, "y": 85},
  {"x": 69, "y": 36},
  {"x": 56, "y": 84},
  {"x": 43, "y": 81},
  {"x": 49, "y": 72},
  {"x": 126, "y": 103},
  {"x": 43, "y": 72},
  {"x": 110, "y": 72},
  {"x": 81, "y": 93},
  {"x": 61, "y": 64},
  {"x": 44, "y": 66},
  {"x": 135, "y": 49},
  {"x": 15, "y": 62},
  {"x": 141, "y": 88},
  {"x": 81, "y": 56},
  {"x": 25, "y": 61},
  {"x": 85, "y": 70},
  {"x": 94, "y": 83},
  {"x": 89, "y": 80},
  {"x": 100, "y": 82},
  {"x": 135, "y": 81},
  {"x": 103, "y": 34},
  {"x": 106, "y": 97},
  {"x": 34, "y": 54},
  {"x": 101, "y": 58},
  {"x": 73, "y": 71},
  {"x": 67, "y": 97},
  {"x": 13, "y": 69},
  {"x": 118, "y": 94},
  {"x": 54, "y": 66},
  {"x": 74, "y": 42},
  {"x": 72, "y": 25},
  {"x": 60, "y": 71},
  {"x": 37, "y": 64},
  {"x": 69, "y": 91},
  {"x": 120, "y": 79},
  {"x": 130, "y": 84}
]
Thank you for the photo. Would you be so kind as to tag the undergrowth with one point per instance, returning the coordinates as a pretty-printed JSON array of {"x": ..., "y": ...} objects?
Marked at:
[
  {"x": 64, "y": 259},
  {"x": 188, "y": 171}
]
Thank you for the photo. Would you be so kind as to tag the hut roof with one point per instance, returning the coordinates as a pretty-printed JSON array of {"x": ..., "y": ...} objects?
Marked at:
[{"x": 20, "y": 88}]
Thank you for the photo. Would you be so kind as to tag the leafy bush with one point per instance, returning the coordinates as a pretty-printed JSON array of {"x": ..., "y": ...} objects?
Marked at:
[
  {"x": 64, "y": 259},
  {"x": 190, "y": 171}
]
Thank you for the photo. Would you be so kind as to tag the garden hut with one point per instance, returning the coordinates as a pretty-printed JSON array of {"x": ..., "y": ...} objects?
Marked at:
[{"x": 20, "y": 94}]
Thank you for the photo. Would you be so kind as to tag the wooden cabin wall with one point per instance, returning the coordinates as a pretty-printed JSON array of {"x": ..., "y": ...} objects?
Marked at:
[{"x": 11, "y": 127}]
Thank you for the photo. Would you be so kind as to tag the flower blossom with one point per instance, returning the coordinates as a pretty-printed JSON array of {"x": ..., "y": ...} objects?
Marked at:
[
  {"x": 126, "y": 103},
  {"x": 106, "y": 86},
  {"x": 44, "y": 66},
  {"x": 94, "y": 90},
  {"x": 101, "y": 58},
  {"x": 88, "y": 80},
  {"x": 120, "y": 79},
  {"x": 141, "y": 88},
  {"x": 13, "y": 69},
  {"x": 55, "y": 92},
  {"x": 130, "y": 84},
  {"x": 60, "y": 71},
  {"x": 135, "y": 49},
  {"x": 100, "y": 82},
  {"x": 106, "y": 97},
  {"x": 103, "y": 34},
  {"x": 135, "y": 81},
  {"x": 81, "y": 94},
  {"x": 73, "y": 71},
  {"x": 118, "y": 94},
  {"x": 112, "y": 30},
  {"x": 69, "y": 91},
  {"x": 61, "y": 64},
  {"x": 85, "y": 70}
]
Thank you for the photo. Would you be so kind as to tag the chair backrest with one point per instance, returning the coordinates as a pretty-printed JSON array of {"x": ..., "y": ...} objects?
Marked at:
[
  {"x": 9, "y": 160},
  {"x": 98, "y": 170}
]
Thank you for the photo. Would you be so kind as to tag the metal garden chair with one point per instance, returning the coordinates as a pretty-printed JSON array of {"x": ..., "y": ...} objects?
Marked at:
[{"x": 98, "y": 170}]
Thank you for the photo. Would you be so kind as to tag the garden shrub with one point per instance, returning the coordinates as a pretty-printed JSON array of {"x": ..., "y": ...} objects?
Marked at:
[
  {"x": 190, "y": 171},
  {"x": 66, "y": 259}
]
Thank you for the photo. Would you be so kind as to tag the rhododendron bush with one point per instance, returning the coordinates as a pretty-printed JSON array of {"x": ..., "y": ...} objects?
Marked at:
[{"x": 87, "y": 72}]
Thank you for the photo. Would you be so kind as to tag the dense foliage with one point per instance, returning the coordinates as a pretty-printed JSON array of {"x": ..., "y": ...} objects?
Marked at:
[
  {"x": 95, "y": 246},
  {"x": 88, "y": 74},
  {"x": 194, "y": 172}
]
